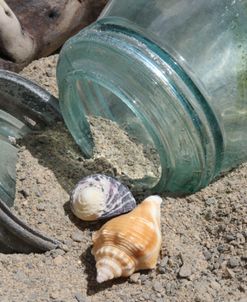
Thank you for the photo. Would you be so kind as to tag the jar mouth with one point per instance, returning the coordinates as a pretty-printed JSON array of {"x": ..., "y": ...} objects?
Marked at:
[
  {"x": 107, "y": 61},
  {"x": 100, "y": 99}
]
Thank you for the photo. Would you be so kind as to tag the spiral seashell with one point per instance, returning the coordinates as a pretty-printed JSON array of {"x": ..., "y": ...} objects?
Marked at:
[
  {"x": 130, "y": 242},
  {"x": 99, "y": 196}
]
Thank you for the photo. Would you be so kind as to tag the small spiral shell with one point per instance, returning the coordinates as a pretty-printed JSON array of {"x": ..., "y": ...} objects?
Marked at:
[
  {"x": 130, "y": 242},
  {"x": 99, "y": 196}
]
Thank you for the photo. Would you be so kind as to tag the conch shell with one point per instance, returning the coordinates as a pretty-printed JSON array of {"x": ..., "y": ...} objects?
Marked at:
[
  {"x": 99, "y": 196},
  {"x": 130, "y": 242}
]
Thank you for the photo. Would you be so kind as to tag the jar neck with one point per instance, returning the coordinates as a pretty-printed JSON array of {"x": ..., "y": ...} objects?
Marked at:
[{"x": 155, "y": 98}]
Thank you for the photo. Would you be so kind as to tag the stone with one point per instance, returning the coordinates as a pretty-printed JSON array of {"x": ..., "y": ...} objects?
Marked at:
[
  {"x": 210, "y": 201},
  {"x": 40, "y": 207},
  {"x": 57, "y": 252},
  {"x": 185, "y": 271},
  {"x": 143, "y": 278},
  {"x": 230, "y": 237},
  {"x": 64, "y": 247},
  {"x": 135, "y": 278},
  {"x": 228, "y": 273},
  {"x": 49, "y": 73},
  {"x": 38, "y": 193},
  {"x": 77, "y": 236},
  {"x": 215, "y": 285},
  {"x": 29, "y": 265},
  {"x": 164, "y": 261},
  {"x": 222, "y": 248},
  {"x": 170, "y": 289},
  {"x": 20, "y": 276},
  {"x": 158, "y": 287},
  {"x": 209, "y": 215},
  {"x": 207, "y": 254},
  {"x": 233, "y": 262},
  {"x": 240, "y": 238},
  {"x": 68, "y": 242},
  {"x": 161, "y": 270},
  {"x": 59, "y": 260},
  {"x": 163, "y": 265}
]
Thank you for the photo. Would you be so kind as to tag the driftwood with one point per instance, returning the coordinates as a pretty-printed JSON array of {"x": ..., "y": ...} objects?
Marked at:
[{"x": 30, "y": 29}]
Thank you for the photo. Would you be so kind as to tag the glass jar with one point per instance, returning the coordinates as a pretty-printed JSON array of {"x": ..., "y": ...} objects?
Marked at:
[{"x": 173, "y": 74}]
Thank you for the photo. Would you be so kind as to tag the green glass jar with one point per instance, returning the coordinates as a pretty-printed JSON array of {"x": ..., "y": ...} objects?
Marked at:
[{"x": 173, "y": 74}]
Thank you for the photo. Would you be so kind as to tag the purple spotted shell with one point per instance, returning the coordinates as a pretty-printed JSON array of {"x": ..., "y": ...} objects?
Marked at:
[{"x": 99, "y": 196}]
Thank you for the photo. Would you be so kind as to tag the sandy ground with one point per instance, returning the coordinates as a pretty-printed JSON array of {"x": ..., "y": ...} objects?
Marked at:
[{"x": 204, "y": 250}]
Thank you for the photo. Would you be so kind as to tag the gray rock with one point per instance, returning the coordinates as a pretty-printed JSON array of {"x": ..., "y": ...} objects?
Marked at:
[
  {"x": 143, "y": 278},
  {"x": 230, "y": 237},
  {"x": 77, "y": 236},
  {"x": 20, "y": 276},
  {"x": 135, "y": 278},
  {"x": 207, "y": 254},
  {"x": 68, "y": 242},
  {"x": 59, "y": 260},
  {"x": 158, "y": 287},
  {"x": 233, "y": 262},
  {"x": 161, "y": 270},
  {"x": 164, "y": 261},
  {"x": 163, "y": 264},
  {"x": 64, "y": 247},
  {"x": 222, "y": 248},
  {"x": 210, "y": 201},
  {"x": 57, "y": 252},
  {"x": 185, "y": 271},
  {"x": 29, "y": 265},
  {"x": 38, "y": 193},
  {"x": 209, "y": 215},
  {"x": 228, "y": 273},
  {"x": 170, "y": 289},
  {"x": 40, "y": 207},
  {"x": 215, "y": 285},
  {"x": 240, "y": 238}
]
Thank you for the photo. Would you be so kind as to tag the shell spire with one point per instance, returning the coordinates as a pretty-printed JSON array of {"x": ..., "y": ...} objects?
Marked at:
[{"x": 130, "y": 242}]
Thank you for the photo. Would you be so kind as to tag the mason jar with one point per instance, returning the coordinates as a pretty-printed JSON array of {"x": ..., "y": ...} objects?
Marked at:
[{"x": 173, "y": 75}]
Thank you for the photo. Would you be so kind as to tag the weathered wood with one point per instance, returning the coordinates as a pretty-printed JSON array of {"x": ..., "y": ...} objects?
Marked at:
[
  {"x": 16, "y": 44},
  {"x": 39, "y": 28}
]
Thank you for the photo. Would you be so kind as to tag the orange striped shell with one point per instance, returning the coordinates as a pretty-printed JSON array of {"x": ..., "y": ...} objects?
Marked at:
[{"x": 130, "y": 242}]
